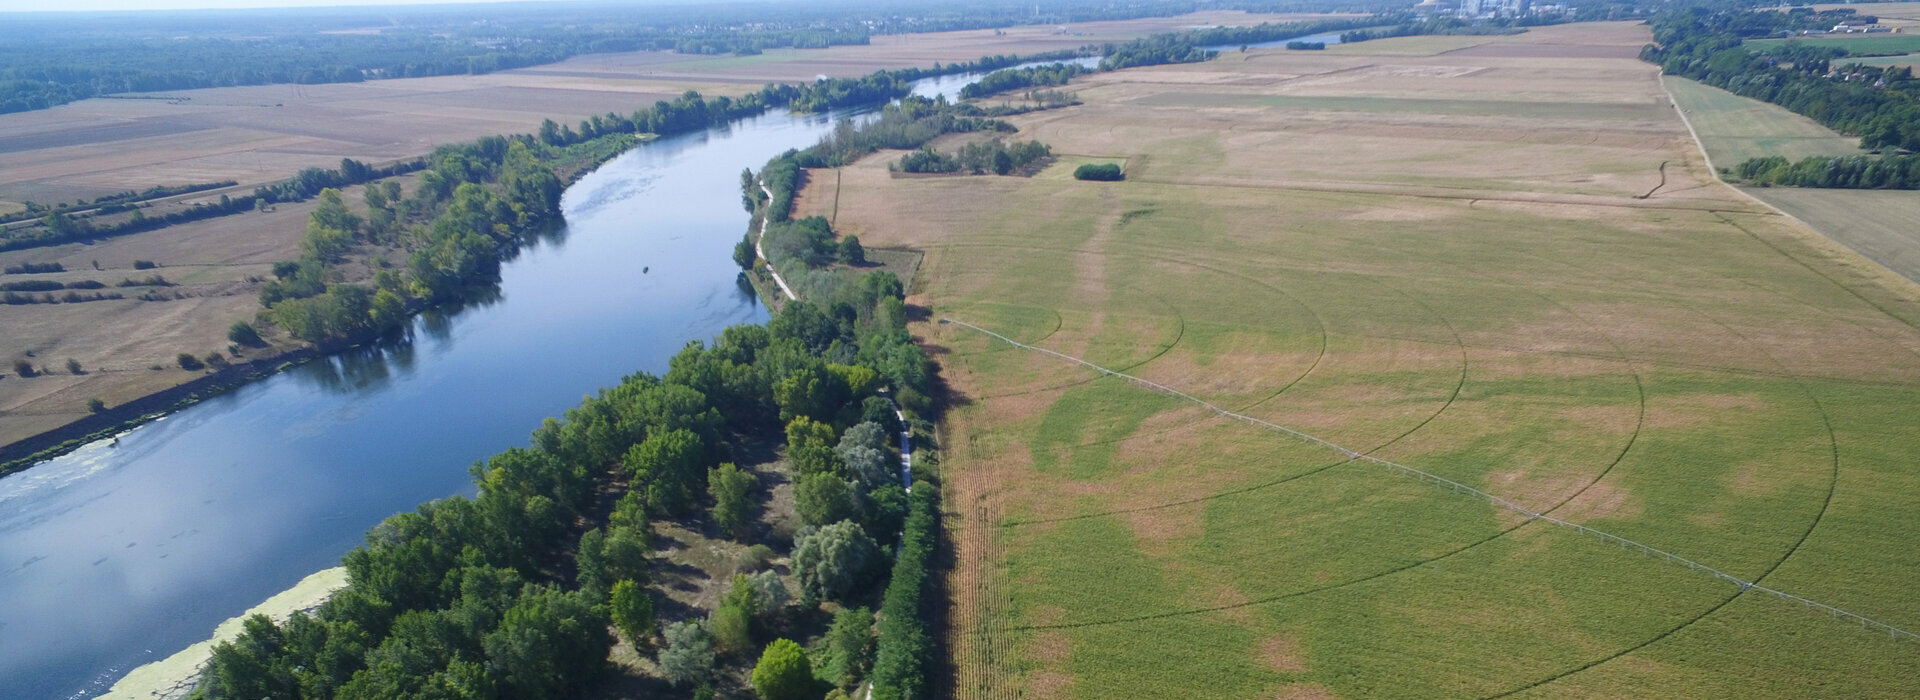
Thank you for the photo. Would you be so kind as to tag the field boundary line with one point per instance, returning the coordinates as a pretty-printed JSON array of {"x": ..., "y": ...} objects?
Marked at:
[
  {"x": 1715, "y": 173},
  {"x": 1422, "y": 475}
]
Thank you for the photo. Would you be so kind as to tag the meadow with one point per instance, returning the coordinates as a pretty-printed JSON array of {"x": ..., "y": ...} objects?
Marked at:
[
  {"x": 1556, "y": 305},
  {"x": 1853, "y": 43}
]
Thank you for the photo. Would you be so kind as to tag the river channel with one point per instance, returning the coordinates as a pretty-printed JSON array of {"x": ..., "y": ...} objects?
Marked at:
[{"x": 130, "y": 549}]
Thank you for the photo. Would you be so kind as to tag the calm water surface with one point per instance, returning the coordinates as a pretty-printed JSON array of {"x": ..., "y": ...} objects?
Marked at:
[{"x": 127, "y": 551}]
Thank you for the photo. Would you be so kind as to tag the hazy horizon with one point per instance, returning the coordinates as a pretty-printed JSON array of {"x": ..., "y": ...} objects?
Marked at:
[{"x": 166, "y": 5}]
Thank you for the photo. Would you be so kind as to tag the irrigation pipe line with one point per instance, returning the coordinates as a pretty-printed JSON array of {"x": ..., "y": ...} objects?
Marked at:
[{"x": 1422, "y": 475}]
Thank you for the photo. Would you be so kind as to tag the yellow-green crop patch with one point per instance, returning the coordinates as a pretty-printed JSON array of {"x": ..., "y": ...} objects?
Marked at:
[
  {"x": 1548, "y": 110},
  {"x": 1734, "y": 128},
  {"x": 1867, "y": 44}
]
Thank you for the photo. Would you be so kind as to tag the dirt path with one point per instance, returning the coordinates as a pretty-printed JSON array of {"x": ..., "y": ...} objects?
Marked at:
[{"x": 761, "y": 250}]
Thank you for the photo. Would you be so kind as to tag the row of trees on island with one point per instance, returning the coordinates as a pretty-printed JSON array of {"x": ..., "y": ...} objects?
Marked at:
[{"x": 993, "y": 155}]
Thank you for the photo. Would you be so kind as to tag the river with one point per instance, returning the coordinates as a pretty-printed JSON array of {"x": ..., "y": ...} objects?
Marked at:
[{"x": 128, "y": 550}]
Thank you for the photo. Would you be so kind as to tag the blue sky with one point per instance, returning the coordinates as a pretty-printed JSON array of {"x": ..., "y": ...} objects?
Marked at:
[{"x": 96, "y": 5}]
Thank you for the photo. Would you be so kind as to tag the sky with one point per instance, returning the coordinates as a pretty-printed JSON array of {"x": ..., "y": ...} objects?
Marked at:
[{"x": 117, "y": 5}]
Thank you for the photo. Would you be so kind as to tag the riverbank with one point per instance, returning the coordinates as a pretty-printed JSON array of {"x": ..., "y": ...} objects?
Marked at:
[
  {"x": 136, "y": 410},
  {"x": 23, "y": 454},
  {"x": 174, "y": 677}
]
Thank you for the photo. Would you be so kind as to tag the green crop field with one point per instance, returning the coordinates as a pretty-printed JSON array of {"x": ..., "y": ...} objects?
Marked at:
[
  {"x": 1734, "y": 128},
  {"x": 1876, "y": 224},
  {"x": 1859, "y": 44},
  {"x": 1688, "y": 371},
  {"x": 1900, "y": 60}
]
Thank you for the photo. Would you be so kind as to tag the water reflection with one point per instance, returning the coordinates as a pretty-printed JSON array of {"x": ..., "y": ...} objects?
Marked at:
[{"x": 368, "y": 367}]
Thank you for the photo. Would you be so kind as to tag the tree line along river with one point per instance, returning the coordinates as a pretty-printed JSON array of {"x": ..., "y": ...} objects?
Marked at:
[{"x": 128, "y": 550}]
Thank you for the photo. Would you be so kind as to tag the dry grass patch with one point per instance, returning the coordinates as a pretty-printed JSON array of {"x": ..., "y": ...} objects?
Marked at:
[{"x": 1283, "y": 654}]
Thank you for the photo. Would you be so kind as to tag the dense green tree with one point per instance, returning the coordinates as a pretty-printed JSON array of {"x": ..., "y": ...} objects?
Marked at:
[
  {"x": 848, "y": 651},
  {"x": 632, "y": 611},
  {"x": 834, "y": 561},
  {"x": 549, "y": 645},
  {"x": 1098, "y": 171},
  {"x": 783, "y": 673},
  {"x": 850, "y": 251},
  {"x": 688, "y": 656},
  {"x": 732, "y": 491},
  {"x": 672, "y": 468},
  {"x": 825, "y": 498}
]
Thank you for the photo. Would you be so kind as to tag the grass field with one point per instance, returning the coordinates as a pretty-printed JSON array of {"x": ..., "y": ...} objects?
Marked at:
[
  {"x": 1901, "y": 60},
  {"x": 1687, "y": 370},
  {"x": 1734, "y": 128},
  {"x": 1876, "y": 224}
]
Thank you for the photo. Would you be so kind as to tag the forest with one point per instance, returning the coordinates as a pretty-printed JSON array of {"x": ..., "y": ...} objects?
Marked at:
[
  {"x": 1887, "y": 172},
  {"x": 513, "y": 593},
  {"x": 1881, "y": 105}
]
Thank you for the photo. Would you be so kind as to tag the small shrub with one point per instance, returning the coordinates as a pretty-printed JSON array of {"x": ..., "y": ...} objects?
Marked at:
[
  {"x": 243, "y": 333},
  {"x": 35, "y": 268},
  {"x": 23, "y": 368},
  {"x": 96, "y": 405},
  {"x": 1099, "y": 171},
  {"x": 189, "y": 363},
  {"x": 783, "y": 672},
  {"x": 144, "y": 265},
  {"x": 688, "y": 658},
  {"x": 73, "y": 366}
]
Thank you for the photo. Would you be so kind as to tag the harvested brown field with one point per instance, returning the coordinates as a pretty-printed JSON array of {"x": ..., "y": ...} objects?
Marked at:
[{"x": 1471, "y": 263}]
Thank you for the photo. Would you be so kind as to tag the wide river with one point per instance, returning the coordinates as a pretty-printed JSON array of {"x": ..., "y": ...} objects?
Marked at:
[{"x": 128, "y": 550}]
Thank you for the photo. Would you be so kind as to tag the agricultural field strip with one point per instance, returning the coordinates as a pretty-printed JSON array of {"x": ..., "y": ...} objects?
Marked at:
[{"x": 1423, "y": 475}]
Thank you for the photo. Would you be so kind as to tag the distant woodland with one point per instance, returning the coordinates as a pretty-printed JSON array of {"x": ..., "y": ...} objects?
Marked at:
[
  {"x": 48, "y": 59},
  {"x": 1881, "y": 105}
]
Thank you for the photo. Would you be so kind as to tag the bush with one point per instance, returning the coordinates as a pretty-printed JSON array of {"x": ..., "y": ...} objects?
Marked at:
[
  {"x": 96, "y": 406},
  {"x": 144, "y": 265},
  {"x": 23, "y": 368},
  {"x": 35, "y": 268},
  {"x": 189, "y": 363},
  {"x": 1099, "y": 171},
  {"x": 31, "y": 286},
  {"x": 73, "y": 366},
  {"x": 688, "y": 658},
  {"x": 732, "y": 628},
  {"x": 243, "y": 333},
  {"x": 783, "y": 672}
]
